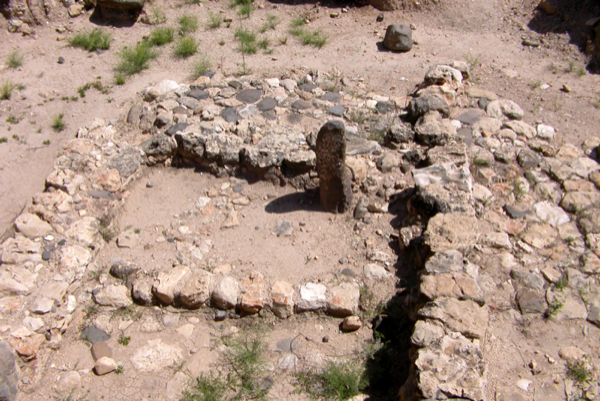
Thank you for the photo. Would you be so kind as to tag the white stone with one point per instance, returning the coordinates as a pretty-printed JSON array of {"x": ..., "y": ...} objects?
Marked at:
[
  {"x": 113, "y": 295},
  {"x": 226, "y": 293},
  {"x": 373, "y": 271},
  {"x": 312, "y": 297},
  {"x": 32, "y": 226},
  {"x": 156, "y": 356},
  {"x": 545, "y": 132},
  {"x": 105, "y": 365},
  {"x": 551, "y": 214}
]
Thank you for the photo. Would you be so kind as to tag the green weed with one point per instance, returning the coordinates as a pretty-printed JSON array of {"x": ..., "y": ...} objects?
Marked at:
[
  {"x": 214, "y": 20},
  {"x": 314, "y": 38},
  {"x": 561, "y": 284},
  {"x": 247, "y": 41},
  {"x": 206, "y": 388},
  {"x": 46, "y": 142},
  {"x": 57, "y": 123},
  {"x": 263, "y": 44},
  {"x": 553, "y": 308},
  {"x": 271, "y": 24},
  {"x": 245, "y": 357},
  {"x": 579, "y": 371},
  {"x": 338, "y": 381},
  {"x": 245, "y": 10},
  {"x": 6, "y": 90},
  {"x": 12, "y": 119},
  {"x": 161, "y": 36},
  {"x": 3, "y": 139},
  {"x": 119, "y": 370},
  {"x": 14, "y": 60},
  {"x": 200, "y": 67},
  {"x": 298, "y": 22},
  {"x": 157, "y": 16},
  {"x": 124, "y": 341},
  {"x": 136, "y": 59},
  {"x": 187, "y": 24},
  {"x": 186, "y": 47},
  {"x": 96, "y": 39},
  {"x": 119, "y": 79}
]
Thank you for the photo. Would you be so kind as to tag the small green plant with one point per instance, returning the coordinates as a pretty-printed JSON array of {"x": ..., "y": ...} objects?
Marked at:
[
  {"x": 136, "y": 59},
  {"x": 480, "y": 162},
  {"x": 3, "y": 139},
  {"x": 82, "y": 89},
  {"x": 246, "y": 359},
  {"x": 561, "y": 284},
  {"x": 119, "y": 370},
  {"x": 314, "y": 38},
  {"x": 46, "y": 142},
  {"x": 119, "y": 79},
  {"x": 214, "y": 20},
  {"x": 156, "y": 16},
  {"x": 298, "y": 22},
  {"x": 57, "y": 123},
  {"x": 338, "y": 381},
  {"x": 161, "y": 36},
  {"x": 6, "y": 90},
  {"x": 247, "y": 41},
  {"x": 535, "y": 84},
  {"x": 206, "y": 388},
  {"x": 194, "y": 1},
  {"x": 245, "y": 10},
  {"x": 186, "y": 47},
  {"x": 106, "y": 231},
  {"x": 124, "y": 341},
  {"x": 187, "y": 24},
  {"x": 579, "y": 371},
  {"x": 96, "y": 39},
  {"x": 570, "y": 67},
  {"x": 200, "y": 67},
  {"x": 283, "y": 40},
  {"x": 472, "y": 60},
  {"x": 14, "y": 60},
  {"x": 553, "y": 308},
  {"x": 263, "y": 43},
  {"x": 581, "y": 71},
  {"x": 271, "y": 24},
  {"x": 221, "y": 42},
  {"x": 12, "y": 119}
]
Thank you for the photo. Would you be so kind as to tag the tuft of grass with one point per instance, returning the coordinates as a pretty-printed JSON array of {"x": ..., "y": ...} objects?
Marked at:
[
  {"x": 315, "y": 38},
  {"x": 246, "y": 359},
  {"x": 106, "y": 231},
  {"x": 271, "y": 24},
  {"x": 298, "y": 22},
  {"x": 263, "y": 44},
  {"x": 119, "y": 370},
  {"x": 535, "y": 84},
  {"x": 553, "y": 308},
  {"x": 96, "y": 39},
  {"x": 214, "y": 20},
  {"x": 14, "y": 60},
  {"x": 581, "y": 71},
  {"x": 186, "y": 47},
  {"x": 46, "y": 142},
  {"x": 247, "y": 41},
  {"x": 136, "y": 59},
  {"x": 245, "y": 10},
  {"x": 57, "y": 123},
  {"x": 561, "y": 284},
  {"x": 283, "y": 40},
  {"x": 570, "y": 67},
  {"x": 579, "y": 371},
  {"x": 119, "y": 79},
  {"x": 187, "y": 24},
  {"x": 161, "y": 36},
  {"x": 6, "y": 90},
  {"x": 82, "y": 89},
  {"x": 200, "y": 67},
  {"x": 206, "y": 388},
  {"x": 221, "y": 42},
  {"x": 157, "y": 16},
  {"x": 338, "y": 381},
  {"x": 3, "y": 139}
]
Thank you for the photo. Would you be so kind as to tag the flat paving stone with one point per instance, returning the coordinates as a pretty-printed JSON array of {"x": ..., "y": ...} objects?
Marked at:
[
  {"x": 267, "y": 104},
  {"x": 249, "y": 95}
]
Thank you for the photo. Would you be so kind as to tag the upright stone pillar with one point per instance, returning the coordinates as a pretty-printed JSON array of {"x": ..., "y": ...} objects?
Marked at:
[{"x": 335, "y": 178}]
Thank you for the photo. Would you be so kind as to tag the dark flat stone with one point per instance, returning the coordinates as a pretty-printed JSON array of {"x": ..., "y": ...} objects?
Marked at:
[
  {"x": 235, "y": 84},
  {"x": 270, "y": 115},
  {"x": 94, "y": 334},
  {"x": 385, "y": 107},
  {"x": 334, "y": 97},
  {"x": 180, "y": 110},
  {"x": 46, "y": 255},
  {"x": 467, "y": 135},
  {"x": 176, "y": 128},
  {"x": 267, "y": 104},
  {"x": 482, "y": 103},
  {"x": 515, "y": 213},
  {"x": 307, "y": 87},
  {"x": 101, "y": 195},
  {"x": 300, "y": 105},
  {"x": 337, "y": 111},
  {"x": 230, "y": 115},
  {"x": 249, "y": 95},
  {"x": 209, "y": 74},
  {"x": 294, "y": 118},
  {"x": 198, "y": 94},
  {"x": 470, "y": 117}
]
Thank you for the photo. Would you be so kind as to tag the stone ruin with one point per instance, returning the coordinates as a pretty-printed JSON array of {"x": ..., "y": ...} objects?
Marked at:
[{"x": 491, "y": 212}]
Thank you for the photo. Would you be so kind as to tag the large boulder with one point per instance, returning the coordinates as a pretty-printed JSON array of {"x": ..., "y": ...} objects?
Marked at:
[{"x": 120, "y": 9}]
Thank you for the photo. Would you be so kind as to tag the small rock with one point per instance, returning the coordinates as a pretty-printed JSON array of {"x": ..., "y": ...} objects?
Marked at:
[
  {"x": 101, "y": 350},
  {"x": 351, "y": 323},
  {"x": 398, "y": 38},
  {"x": 104, "y": 366},
  {"x": 226, "y": 293}
]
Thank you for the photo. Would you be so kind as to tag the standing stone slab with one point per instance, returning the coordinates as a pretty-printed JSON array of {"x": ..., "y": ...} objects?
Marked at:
[{"x": 335, "y": 178}]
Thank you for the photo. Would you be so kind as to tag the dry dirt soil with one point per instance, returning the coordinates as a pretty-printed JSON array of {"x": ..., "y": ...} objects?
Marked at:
[{"x": 488, "y": 34}]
